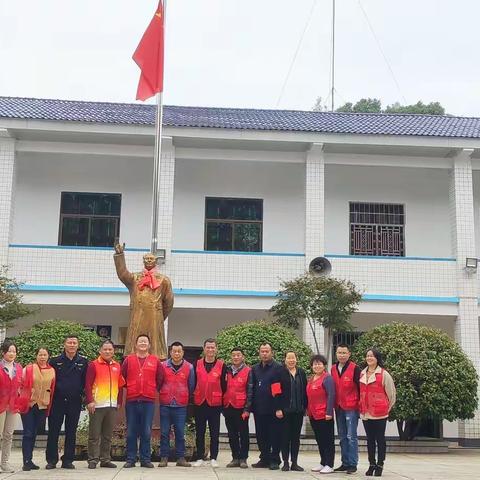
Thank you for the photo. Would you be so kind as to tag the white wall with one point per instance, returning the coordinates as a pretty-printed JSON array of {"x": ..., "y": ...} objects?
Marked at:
[
  {"x": 424, "y": 192},
  {"x": 476, "y": 209},
  {"x": 280, "y": 185},
  {"x": 41, "y": 178}
]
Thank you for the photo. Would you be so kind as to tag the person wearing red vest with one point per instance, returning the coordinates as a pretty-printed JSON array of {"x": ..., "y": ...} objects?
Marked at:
[
  {"x": 176, "y": 390},
  {"x": 10, "y": 385},
  {"x": 377, "y": 398},
  {"x": 144, "y": 376},
  {"x": 346, "y": 375},
  {"x": 237, "y": 402},
  {"x": 208, "y": 399},
  {"x": 103, "y": 385},
  {"x": 321, "y": 401}
]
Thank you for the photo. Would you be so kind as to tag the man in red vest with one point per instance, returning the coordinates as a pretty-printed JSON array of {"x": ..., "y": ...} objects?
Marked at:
[
  {"x": 346, "y": 375},
  {"x": 237, "y": 401},
  {"x": 143, "y": 373},
  {"x": 174, "y": 395},
  {"x": 208, "y": 399}
]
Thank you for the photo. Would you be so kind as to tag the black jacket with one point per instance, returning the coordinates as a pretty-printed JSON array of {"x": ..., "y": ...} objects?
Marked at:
[
  {"x": 303, "y": 387},
  {"x": 70, "y": 376}
]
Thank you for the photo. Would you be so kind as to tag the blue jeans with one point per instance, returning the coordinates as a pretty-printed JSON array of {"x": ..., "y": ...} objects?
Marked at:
[
  {"x": 347, "y": 423},
  {"x": 175, "y": 416},
  {"x": 139, "y": 425},
  {"x": 31, "y": 422}
]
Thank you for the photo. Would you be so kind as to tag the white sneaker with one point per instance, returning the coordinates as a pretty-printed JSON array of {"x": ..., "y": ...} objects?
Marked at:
[
  {"x": 7, "y": 468},
  {"x": 214, "y": 463},
  {"x": 198, "y": 463},
  {"x": 326, "y": 469},
  {"x": 318, "y": 468}
]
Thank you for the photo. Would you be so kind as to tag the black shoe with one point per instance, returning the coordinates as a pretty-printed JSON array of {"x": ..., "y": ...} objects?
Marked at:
[
  {"x": 351, "y": 470},
  {"x": 147, "y": 465},
  {"x": 273, "y": 466},
  {"x": 341, "y": 468},
  {"x": 260, "y": 464},
  {"x": 378, "y": 471},
  {"x": 296, "y": 468},
  {"x": 92, "y": 465},
  {"x": 128, "y": 464},
  {"x": 108, "y": 464},
  {"x": 26, "y": 467},
  {"x": 50, "y": 466},
  {"x": 68, "y": 466},
  {"x": 285, "y": 467},
  {"x": 371, "y": 469}
]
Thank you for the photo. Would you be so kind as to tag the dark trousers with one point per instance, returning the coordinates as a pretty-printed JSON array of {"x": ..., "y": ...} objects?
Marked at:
[
  {"x": 139, "y": 415},
  {"x": 175, "y": 416},
  {"x": 324, "y": 435},
  {"x": 292, "y": 426},
  {"x": 375, "y": 430},
  {"x": 268, "y": 429},
  {"x": 67, "y": 409},
  {"x": 238, "y": 434},
  {"x": 203, "y": 414},
  {"x": 31, "y": 422}
]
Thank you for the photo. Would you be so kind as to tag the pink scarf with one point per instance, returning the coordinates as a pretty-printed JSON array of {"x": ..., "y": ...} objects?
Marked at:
[{"x": 148, "y": 280}]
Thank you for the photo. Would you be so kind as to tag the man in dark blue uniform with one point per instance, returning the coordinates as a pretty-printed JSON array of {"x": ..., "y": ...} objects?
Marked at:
[{"x": 71, "y": 370}]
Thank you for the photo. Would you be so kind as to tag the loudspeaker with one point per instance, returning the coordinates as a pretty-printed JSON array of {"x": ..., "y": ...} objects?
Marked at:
[{"x": 320, "y": 266}]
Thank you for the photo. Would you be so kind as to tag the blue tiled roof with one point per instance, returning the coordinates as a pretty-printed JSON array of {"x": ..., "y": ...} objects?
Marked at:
[{"x": 241, "y": 118}]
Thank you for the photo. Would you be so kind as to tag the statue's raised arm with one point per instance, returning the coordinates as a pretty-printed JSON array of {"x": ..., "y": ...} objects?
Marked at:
[{"x": 123, "y": 274}]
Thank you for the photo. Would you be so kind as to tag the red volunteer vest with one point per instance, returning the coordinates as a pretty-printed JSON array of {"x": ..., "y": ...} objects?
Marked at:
[
  {"x": 142, "y": 380},
  {"x": 208, "y": 385},
  {"x": 345, "y": 388},
  {"x": 10, "y": 390},
  {"x": 236, "y": 394},
  {"x": 373, "y": 398},
  {"x": 175, "y": 385},
  {"x": 317, "y": 398}
]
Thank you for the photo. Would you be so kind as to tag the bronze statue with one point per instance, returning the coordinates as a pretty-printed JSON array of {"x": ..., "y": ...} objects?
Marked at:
[{"x": 151, "y": 301}]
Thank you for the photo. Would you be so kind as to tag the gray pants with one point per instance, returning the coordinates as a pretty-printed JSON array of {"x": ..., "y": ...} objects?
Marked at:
[
  {"x": 100, "y": 431},
  {"x": 7, "y": 426}
]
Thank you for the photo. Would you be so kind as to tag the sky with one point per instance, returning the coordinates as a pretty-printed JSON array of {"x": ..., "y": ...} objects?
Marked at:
[{"x": 238, "y": 53}]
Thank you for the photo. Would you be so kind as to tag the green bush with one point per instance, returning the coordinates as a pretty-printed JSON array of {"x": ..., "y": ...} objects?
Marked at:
[
  {"x": 433, "y": 376},
  {"x": 249, "y": 336},
  {"x": 51, "y": 334}
]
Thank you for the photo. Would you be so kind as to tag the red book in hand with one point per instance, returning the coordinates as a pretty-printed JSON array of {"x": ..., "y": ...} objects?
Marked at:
[{"x": 276, "y": 389}]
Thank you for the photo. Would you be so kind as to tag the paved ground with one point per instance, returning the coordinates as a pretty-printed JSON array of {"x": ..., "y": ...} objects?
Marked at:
[{"x": 457, "y": 464}]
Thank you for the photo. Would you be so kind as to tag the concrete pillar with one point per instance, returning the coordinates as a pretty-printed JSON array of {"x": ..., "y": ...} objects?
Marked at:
[{"x": 463, "y": 235}]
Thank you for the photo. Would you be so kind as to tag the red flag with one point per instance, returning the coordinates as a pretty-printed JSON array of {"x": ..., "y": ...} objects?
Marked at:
[{"x": 149, "y": 57}]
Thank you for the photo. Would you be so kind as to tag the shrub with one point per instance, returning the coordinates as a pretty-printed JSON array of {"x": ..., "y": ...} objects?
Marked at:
[
  {"x": 51, "y": 334},
  {"x": 249, "y": 336}
]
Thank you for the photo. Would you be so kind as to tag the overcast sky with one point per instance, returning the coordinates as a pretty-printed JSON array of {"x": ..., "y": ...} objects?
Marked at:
[{"x": 237, "y": 53}]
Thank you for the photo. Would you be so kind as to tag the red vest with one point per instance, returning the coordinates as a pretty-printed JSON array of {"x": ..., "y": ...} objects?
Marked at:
[
  {"x": 373, "y": 398},
  {"x": 142, "y": 380},
  {"x": 10, "y": 390},
  {"x": 236, "y": 394},
  {"x": 175, "y": 385},
  {"x": 317, "y": 398},
  {"x": 208, "y": 385},
  {"x": 345, "y": 388}
]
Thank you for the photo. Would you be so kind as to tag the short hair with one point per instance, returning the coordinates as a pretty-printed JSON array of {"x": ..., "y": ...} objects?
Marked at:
[
  {"x": 264, "y": 344},
  {"x": 175, "y": 344},
  {"x": 291, "y": 351},
  {"x": 6, "y": 346},
  {"x": 42, "y": 348},
  {"x": 377, "y": 355},
  {"x": 143, "y": 335},
  {"x": 107, "y": 340},
  {"x": 73, "y": 335},
  {"x": 237, "y": 349},
  {"x": 343, "y": 345},
  {"x": 318, "y": 358},
  {"x": 209, "y": 340}
]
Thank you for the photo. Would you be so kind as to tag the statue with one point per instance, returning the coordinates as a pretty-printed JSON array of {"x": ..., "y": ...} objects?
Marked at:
[{"x": 151, "y": 301}]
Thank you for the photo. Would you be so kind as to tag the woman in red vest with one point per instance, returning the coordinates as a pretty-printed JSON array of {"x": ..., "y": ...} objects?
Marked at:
[
  {"x": 377, "y": 397},
  {"x": 10, "y": 384},
  {"x": 36, "y": 399},
  {"x": 321, "y": 400}
]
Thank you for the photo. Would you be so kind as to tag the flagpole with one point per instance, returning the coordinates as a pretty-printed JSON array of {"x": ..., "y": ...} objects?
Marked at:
[{"x": 157, "y": 156}]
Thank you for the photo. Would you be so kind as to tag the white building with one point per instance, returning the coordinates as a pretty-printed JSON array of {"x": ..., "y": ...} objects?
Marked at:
[{"x": 248, "y": 198}]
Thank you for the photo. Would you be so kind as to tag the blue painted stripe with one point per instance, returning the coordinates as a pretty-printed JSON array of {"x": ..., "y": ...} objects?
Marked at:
[
  {"x": 234, "y": 252},
  {"x": 408, "y": 298},
  {"x": 72, "y": 247},
  {"x": 224, "y": 293},
  {"x": 378, "y": 257}
]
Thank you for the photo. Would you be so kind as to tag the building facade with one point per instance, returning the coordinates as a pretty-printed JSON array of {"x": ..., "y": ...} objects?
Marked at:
[{"x": 247, "y": 199}]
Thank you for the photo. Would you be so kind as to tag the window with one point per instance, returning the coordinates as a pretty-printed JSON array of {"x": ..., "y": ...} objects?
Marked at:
[
  {"x": 377, "y": 229},
  {"x": 89, "y": 219},
  {"x": 233, "y": 224}
]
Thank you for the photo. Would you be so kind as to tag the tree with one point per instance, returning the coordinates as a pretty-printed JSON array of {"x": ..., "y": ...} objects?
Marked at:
[
  {"x": 433, "y": 376},
  {"x": 321, "y": 300},
  {"x": 250, "y": 335},
  {"x": 51, "y": 334},
  {"x": 11, "y": 300}
]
